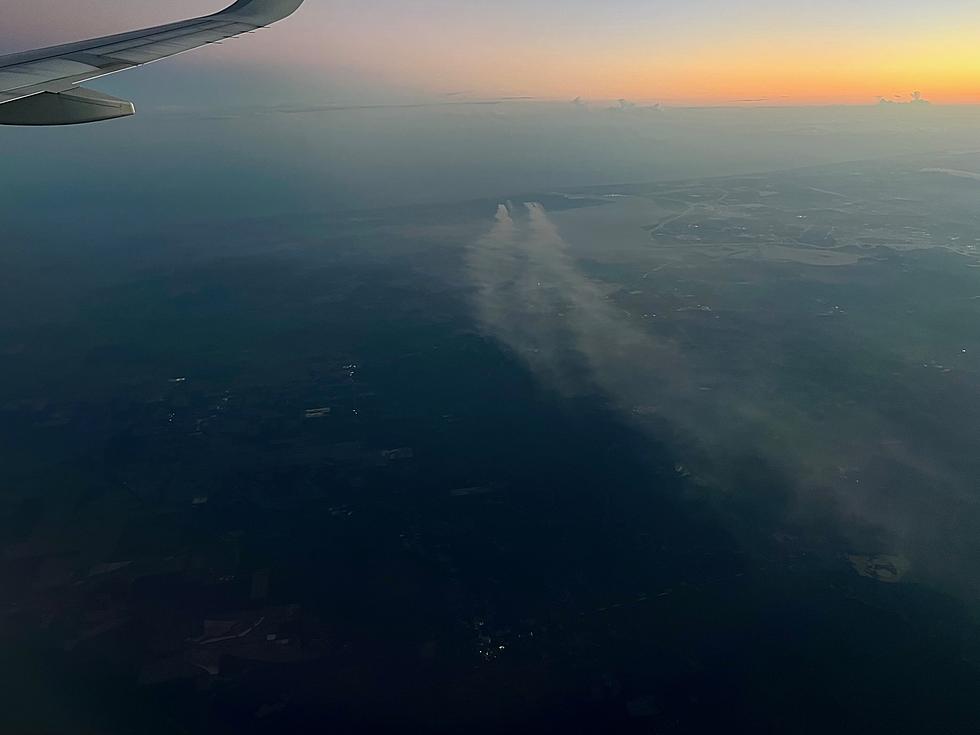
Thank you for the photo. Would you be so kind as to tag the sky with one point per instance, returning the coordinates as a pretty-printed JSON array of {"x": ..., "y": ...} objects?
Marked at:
[{"x": 692, "y": 52}]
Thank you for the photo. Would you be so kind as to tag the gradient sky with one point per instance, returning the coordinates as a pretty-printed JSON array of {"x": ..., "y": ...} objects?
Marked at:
[{"x": 696, "y": 51}]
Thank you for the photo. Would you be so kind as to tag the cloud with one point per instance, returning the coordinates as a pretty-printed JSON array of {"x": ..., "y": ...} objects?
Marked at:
[
  {"x": 915, "y": 98},
  {"x": 624, "y": 105}
]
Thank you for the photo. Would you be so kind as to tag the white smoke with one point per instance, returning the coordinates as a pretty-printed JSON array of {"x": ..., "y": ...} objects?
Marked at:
[{"x": 568, "y": 328}]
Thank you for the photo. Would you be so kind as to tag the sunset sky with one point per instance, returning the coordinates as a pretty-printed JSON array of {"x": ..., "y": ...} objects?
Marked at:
[{"x": 691, "y": 52}]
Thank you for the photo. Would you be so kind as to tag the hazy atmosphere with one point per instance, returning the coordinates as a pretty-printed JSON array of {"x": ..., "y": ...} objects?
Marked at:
[{"x": 457, "y": 367}]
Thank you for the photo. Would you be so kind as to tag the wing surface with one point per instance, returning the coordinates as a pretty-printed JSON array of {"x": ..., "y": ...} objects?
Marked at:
[{"x": 41, "y": 87}]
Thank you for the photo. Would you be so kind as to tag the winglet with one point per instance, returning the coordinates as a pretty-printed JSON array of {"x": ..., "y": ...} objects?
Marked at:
[{"x": 261, "y": 12}]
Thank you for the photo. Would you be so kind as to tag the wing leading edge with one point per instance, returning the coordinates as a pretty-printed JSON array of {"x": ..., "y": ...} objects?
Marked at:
[{"x": 41, "y": 87}]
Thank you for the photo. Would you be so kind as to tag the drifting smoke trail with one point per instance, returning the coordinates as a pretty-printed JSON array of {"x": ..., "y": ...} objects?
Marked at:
[
  {"x": 572, "y": 335},
  {"x": 533, "y": 298}
]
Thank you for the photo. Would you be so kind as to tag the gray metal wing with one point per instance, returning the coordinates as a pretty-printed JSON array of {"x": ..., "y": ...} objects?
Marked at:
[{"x": 41, "y": 87}]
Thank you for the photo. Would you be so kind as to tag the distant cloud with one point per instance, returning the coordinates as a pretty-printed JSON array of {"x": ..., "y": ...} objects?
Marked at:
[
  {"x": 624, "y": 105},
  {"x": 915, "y": 98},
  {"x": 454, "y": 102}
]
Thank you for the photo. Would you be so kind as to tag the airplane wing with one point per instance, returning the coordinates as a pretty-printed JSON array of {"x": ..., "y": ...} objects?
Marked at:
[{"x": 41, "y": 87}]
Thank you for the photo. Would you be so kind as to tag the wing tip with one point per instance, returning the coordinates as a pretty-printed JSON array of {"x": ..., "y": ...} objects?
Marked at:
[
  {"x": 73, "y": 107},
  {"x": 266, "y": 11}
]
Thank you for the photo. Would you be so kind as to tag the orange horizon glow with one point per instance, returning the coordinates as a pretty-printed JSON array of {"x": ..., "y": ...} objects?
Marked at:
[
  {"x": 789, "y": 59},
  {"x": 700, "y": 52},
  {"x": 945, "y": 72}
]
